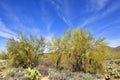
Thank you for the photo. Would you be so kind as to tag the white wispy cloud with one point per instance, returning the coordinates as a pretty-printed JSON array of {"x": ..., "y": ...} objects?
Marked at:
[
  {"x": 2, "y": 45},
  {"x": 97, "y": 5},
  {"x": 4, "y": 28},
  {"x": 5, "y": 35},
  {"x": 12, "y": 16},
  {"x": 100, "y": 15},
  {"x": 63, "y": 10},
  {"x": 5, "y": 32},
  {"x": 48, "y": 22},
  {"x": 49, "y": 25},
  {"x": 8, "y": 12},
  {"x": 57, "y": 6},
  {"x": 103, "y": 29},
  {"x": 111, "y": 32},
  {"x": 49, "y": 37},
  {"x": 46, "y": 18},
  {"x": 114, "y": 42},
  {"x": 18, "y": 22},
  {"x": 65, "y": 20}
]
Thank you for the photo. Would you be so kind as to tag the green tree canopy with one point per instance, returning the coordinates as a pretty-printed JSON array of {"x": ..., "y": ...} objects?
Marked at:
[
  {"x": 83, "y": 51},
  {"x": 24, "y": 51}
]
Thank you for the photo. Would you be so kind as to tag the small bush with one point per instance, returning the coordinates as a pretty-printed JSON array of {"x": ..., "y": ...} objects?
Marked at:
[
  {"x": 53, "y": 75},
  {"x": 4, "y": 56},
  {"x": 112, "y": 72},
  {"x": 33, "y": 74}
]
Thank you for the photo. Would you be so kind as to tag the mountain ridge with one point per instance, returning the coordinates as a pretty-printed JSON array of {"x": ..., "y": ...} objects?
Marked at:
[{"x": 114, "y": 49}]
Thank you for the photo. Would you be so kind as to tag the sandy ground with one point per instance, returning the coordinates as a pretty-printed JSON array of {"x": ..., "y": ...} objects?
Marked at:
[{"x": 45, "y": 78}]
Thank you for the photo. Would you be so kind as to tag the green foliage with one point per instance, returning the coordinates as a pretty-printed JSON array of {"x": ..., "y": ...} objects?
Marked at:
[
  {"x": 33, "y": 74},
  {"x": 24, "y": 50},
  {"x": 4, "y": 55},
  {"x": 53, "y": 75},
  {"x": 115, "y": 55},
  {"x": 80, "y": 51},
  {"x": 11, "y": 72},
  {"x": 112, "y": 72},
  {"x": 23, "y": 74},
  {"x": 88, "y": 76}
]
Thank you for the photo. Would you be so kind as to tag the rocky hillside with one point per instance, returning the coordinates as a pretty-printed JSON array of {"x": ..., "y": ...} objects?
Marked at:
[{"x": 114, "y": 49}]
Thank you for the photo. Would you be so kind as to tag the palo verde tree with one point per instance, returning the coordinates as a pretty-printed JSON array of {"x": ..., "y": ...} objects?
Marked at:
[
  {"x": 80, "y": 51},
  {"x": 24, "y": 50}
]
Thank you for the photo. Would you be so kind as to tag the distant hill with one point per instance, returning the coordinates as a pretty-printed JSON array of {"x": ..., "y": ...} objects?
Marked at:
[{"x": 114, "y": 49}]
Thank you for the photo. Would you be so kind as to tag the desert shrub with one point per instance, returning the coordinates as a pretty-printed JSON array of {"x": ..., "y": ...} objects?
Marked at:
[
  {"x": 53, "y": 75},
  {"x": 11, "y": 72},
  {"x": 14, "y": 73},
  {"x": 43, "y": 70},
  {"x": 22, "y": 74},
  {"x": 33, "y": 74},
  {"x": 79, "y": 51},
  {"x": 87, "y": 76},
  {"x": 53, "y": 58},
  {"x": 117, "y": 62},
  {"x": 24, "y": 50},
  {"x": 112, "y": 72},
  {"x": 115, "y": 55},
  {"x": 4, "y": 55}
]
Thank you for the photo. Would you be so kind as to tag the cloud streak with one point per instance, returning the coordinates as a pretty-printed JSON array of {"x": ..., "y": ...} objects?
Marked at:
[
  {"x": 97, "y": 5},
  {"x": 114, "y": 42},
  {"x": 62, "y": 10},
  {"x": 104, "y": 28},
  {"x": 18, "y": 20},
  {"x": 46, "y": 18},
  {"x": 100, "y": 15},
  {"x": 5, "y": 32}
]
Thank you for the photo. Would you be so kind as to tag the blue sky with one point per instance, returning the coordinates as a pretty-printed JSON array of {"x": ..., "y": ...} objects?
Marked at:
[{"x": 53, "y": 17}]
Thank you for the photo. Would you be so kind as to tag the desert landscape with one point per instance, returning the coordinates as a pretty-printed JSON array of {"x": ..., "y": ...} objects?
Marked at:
[{"x": 59, "y": 39}]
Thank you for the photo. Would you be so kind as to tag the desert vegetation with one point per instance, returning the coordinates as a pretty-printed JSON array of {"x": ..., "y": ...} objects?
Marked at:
[{"x": 75, "y": 56}]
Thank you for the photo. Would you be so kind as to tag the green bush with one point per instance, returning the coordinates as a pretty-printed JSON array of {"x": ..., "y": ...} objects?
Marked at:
[
  {"x": 33, "y": 74},
  {"x": 53, "y": 75},
  {"x": 112, "y": 72},
  {"x": 88, "y": 76},
  {"x": 115, "y": 55},
  {"x": 24, "y": 51},
  {"x": 80, "y": 51},
  {"x": 4, "y": 56},
  {"x": 11, "y": 72}
]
